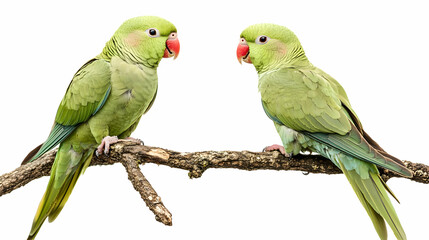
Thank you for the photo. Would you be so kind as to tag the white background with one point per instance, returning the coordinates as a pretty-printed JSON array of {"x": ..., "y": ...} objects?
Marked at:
[{"x": 207, "y": 101}]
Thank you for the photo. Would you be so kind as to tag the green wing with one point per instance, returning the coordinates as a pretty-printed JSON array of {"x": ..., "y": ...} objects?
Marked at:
[
  {"x": 316, "y": 105},
  {"x": 303, "y": 101},
  {"x": 354, "y": 144},
  {"x": 341, "y": 94},
  {"x": 86, "y": 94}
]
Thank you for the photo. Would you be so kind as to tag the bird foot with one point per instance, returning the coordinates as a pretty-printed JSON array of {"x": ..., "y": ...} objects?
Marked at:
[
  {"x": 105, "y": 144},
  {"x": 136, "y": 140},
  {"x": 277, "y": 147}
]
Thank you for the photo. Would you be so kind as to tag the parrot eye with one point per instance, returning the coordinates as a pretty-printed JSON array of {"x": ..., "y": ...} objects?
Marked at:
[
  {"x": 172, "y": 35},
  {"x": 152, "y": 32},
  {"x": 262, "y": 39}
]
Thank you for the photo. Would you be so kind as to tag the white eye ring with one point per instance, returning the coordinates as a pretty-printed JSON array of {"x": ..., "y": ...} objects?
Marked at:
[
  {"x": 262, "y": 39},
  {"x": 152, "y": 32},
  {"x": 172, "y": 35}
]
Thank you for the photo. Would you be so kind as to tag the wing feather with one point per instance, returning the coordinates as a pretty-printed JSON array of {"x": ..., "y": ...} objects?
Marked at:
[
  {"x": 85, "y": 96},
  {"x": 323, "y": 113}
]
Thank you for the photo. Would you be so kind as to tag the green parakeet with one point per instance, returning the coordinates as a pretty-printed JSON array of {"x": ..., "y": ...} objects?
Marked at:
[
  {"x": 312, "y": 112},
  {"x": 104, "y": 101}
]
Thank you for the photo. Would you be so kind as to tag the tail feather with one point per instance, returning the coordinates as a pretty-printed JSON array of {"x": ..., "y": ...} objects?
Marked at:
[
  {"x": 372, "y": 193},
  {"x": 57, "y": 135},
  {"x": 33, "y": 236},
  {"x": 385, "y": 206},
  {"x": 31, "y": 154},
  {"x": 375, "y": 145},
  {"x": 377, "y": 219},
  {"x": 388, "y": 189},
  {"x": 59, "y": 188},
  {"x": 56, "y": 209}
]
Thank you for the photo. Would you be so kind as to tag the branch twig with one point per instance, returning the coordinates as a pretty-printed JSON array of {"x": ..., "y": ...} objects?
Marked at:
[
  {"x": 130, "y": 154},
  {"x": 148, "y": 194}
]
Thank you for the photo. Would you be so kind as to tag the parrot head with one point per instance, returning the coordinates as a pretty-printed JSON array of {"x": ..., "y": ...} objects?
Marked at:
[
  {"x": 267, "y": 46},
  {"x": 145, "y": 40}
]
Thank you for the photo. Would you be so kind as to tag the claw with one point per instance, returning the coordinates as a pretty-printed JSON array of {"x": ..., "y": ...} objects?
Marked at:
[{"x": 105, "y": 144}]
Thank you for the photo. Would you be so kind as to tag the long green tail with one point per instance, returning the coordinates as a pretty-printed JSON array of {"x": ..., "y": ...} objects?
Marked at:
[
  {"x": 67, "y": 168},
  {"x": 372, "y": 193}
]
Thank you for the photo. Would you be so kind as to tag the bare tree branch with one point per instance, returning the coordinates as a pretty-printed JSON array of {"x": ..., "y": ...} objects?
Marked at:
[
  {"x": 130, "y": 154},
  {"x": 148, "y": 194}
]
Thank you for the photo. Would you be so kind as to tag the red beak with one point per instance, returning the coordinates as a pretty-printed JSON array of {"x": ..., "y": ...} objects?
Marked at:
[
  {"x": 172, "y": 46},
  {"x": 243, "y": 51}
]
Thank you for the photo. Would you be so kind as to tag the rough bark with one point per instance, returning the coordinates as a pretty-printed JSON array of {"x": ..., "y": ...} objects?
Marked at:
[
  {"x": 148, "y": 194},
  {"x": 130, "y": 154}
]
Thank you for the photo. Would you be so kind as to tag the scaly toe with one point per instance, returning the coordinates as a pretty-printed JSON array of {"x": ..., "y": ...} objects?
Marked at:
[
  {"x": 277, "y": 147},
  {"x": 105, "y": 143}
]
